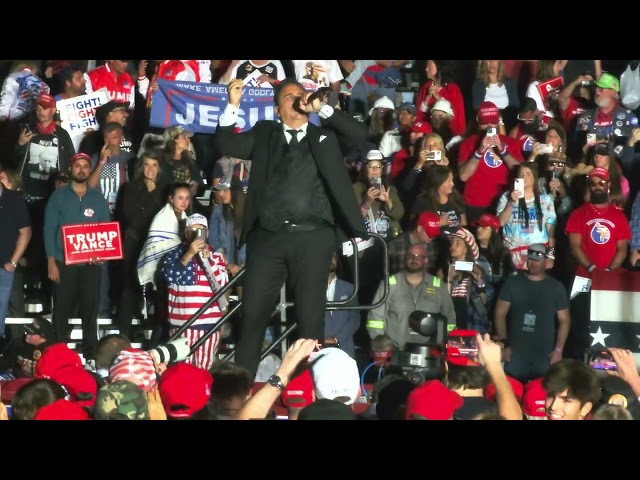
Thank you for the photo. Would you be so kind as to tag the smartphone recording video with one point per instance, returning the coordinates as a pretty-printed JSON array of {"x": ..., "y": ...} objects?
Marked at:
[
  {"x": 463, "y": 266},
  {"x": 434, "y": 156},
  {"x": 376, "y": 182},
  {"x": 491, "y": 131},
  {"x": 545, "y": 148},
  {"x": 200, "y": 234},
  {"x": 462, "y": 345},
  {"x": 518, "y": 186},
  {"x": 602, "y": 361}
]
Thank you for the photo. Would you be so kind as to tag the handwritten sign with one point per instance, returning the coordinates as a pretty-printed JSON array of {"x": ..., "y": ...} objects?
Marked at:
[
  {"x": 78, "y": 114},
  {"x": 83, "y": 243}
]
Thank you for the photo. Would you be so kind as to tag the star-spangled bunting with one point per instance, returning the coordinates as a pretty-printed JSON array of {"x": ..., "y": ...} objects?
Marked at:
[{"x": 599, "y": 337}]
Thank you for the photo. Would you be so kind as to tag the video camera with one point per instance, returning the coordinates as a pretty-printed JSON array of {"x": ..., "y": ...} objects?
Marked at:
[{"x": 422, "y": 362}]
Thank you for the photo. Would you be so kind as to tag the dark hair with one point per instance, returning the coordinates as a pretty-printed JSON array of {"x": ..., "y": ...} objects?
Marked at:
[
  {"x": 459, "y": 376},
  {"x": 497, "y": 253},
  {"x": 523, "y": 214},
  {"x": 578, "y": 379},
  {"x": 445, "y": 71},
  {"x": 380, "y": 124},
  {"x": 230, "y": 380},
  {"x": 616, "y": 197},
  {"x": 66, "y": 74},
  {"x": 33, "y": 396},
  {"x": 438, "y": 174},
  {"x": 178, "y": 186},
  {"x": 108, "y": 348},
  {"x": 277, "y": 89},
  {"x": 528, "y": 105}
]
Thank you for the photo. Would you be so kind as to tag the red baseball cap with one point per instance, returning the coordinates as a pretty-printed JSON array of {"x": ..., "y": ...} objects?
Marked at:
[
  {"x": 185, "y": 389},
  {"x": 46, "y": 101},
  {"x": 488, "y": 113},
  {"x": 61, "y": 410},
  {"x": 433, "y": 401},
  {"x": 488, "y": 220},
  {"x": 421, "y": 127},
  {"x": 79, "y": 156},
  {"x": 533, "y": 399},
  {"x": 603, "y": 173},
  {"x": 299, "y": 391},
  {"x": 430, "y": 222},
  {"x": 77, "y": 382},
  {"x": 516, "y": 386},
  {"x": 55, "y": 357}
]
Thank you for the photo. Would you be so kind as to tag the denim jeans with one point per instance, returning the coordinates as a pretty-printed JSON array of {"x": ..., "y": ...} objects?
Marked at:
[{"x": 6, "y": 282}]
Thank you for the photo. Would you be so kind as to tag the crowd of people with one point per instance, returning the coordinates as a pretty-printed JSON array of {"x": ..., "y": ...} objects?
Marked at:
[{"x": 498, "y": 205}]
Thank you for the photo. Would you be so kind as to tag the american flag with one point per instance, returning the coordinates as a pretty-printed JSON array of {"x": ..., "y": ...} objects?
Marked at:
[
  {"x": 189, "y": 287},
  {"x": 615, "y": 310}
]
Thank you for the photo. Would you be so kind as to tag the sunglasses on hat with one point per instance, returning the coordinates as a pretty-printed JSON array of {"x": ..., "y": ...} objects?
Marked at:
[
  {"x": 598, "y": 183},
  {"x": 535, "y": 253}
]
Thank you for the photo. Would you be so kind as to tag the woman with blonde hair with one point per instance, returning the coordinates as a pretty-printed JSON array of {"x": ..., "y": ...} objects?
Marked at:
[{"x": 491, "y": 85}]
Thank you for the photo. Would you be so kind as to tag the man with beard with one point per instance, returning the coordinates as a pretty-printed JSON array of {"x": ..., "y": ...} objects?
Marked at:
[
  {"x": 72, "y": 82},
  {"x": 76, "y": 286},
  {"x": 599, "y": 235},
  {"x": 530, "y": 127},
  {"x": 340, "y": 325},
  {"x": 410, "y": 290},
  {"x": 608, "y": 119}
]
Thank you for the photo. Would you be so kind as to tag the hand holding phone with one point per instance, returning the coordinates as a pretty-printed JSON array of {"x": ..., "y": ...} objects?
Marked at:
[
  {"x": 434, "y": 156},
  {"x": 518, "y": 186},
  {"x": 602, "y": 361},
  {"x": 491, "y": 132},
  {"x": 376, "y": 182},
  {"x": 545, "y": 148},
  {"x": 591, "y": 139},
  {"x": 463, "y": 266}
]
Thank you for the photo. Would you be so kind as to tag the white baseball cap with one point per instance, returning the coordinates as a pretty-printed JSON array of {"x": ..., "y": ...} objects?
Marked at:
[
  {"x": 335, "y": 374},
  {"x": 383, "y": 102},
  {"x": 197, "y": 219},
  {"x": 443, "y": 105}
]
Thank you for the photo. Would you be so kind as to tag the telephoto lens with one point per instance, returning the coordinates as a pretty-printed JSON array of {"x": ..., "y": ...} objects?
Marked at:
[{"x": 172, "y": 352}]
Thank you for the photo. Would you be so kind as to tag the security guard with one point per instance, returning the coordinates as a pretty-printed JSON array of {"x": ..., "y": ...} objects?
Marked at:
[
  {"x": 410, "y": 290},
  {"x": 609, "y": 120}
]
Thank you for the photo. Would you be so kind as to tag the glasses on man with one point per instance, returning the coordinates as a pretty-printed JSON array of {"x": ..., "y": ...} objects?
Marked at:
[
  {"x": 598, "y": 183},
  {"x": 526, "y": 120},
  {"x": 556, "y": 164},
  {"x": 413, "y": 256}
]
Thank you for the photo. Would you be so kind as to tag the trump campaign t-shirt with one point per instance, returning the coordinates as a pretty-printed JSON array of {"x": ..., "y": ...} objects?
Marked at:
[
  {"x": 600, "y": 228},
  {"x": 492, "y": 175}
]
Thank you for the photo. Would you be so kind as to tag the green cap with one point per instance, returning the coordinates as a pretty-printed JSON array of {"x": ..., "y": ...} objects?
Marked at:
[
  {"x": 121, "y": 400},
  {"x": 608, "y": 81}
]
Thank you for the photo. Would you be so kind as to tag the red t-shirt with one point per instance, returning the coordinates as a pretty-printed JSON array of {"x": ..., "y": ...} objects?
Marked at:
[
  {"x": 571, "y": 113},
  {"x": 492, "y": 176},
  {"x": 398, "y": 162},
  {"x": 450, "y": 92},
  {"x": 600, "y": 230}
]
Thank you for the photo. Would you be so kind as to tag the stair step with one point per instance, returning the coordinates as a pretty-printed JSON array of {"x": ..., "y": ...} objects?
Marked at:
[{"x": 72, "y": 321}]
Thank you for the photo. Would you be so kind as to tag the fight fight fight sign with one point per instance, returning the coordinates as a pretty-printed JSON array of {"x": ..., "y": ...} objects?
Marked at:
[{"x": 86, "y": 242}]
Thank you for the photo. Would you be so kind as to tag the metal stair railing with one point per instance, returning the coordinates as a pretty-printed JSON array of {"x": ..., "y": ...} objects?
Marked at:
[{"x": 335, "y": 305}]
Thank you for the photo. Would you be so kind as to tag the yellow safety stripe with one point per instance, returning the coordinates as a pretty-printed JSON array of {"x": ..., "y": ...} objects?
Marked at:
[
  {"x": 436, "y": 282},
  {"x": 392, "y": 280},
  {"x": 451, "y": 327},
  {"x": 379, "y": 324}
]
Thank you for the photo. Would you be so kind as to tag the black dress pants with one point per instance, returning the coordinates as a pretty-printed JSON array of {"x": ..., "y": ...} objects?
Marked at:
[
  {"x": 79, "y": 288},
  {"x": 300, "y": 259}
]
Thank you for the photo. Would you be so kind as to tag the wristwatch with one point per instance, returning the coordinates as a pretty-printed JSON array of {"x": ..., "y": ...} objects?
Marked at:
[
  {"x": 13, "y": 264},
  {"x": 275, "y": 381}
]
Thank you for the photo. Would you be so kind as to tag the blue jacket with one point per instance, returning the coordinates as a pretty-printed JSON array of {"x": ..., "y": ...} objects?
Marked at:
[
  {"x": 221, "y": 235},
  {"x": 66, "y": 208},
  {"x": 343, "y": 324}
]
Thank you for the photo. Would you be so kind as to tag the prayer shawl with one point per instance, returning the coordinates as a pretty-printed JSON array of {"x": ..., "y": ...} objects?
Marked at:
[{"x": 163, "y": 237}]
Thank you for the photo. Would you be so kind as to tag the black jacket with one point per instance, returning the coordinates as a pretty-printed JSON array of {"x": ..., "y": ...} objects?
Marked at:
[{"x": 340, "y": 135}]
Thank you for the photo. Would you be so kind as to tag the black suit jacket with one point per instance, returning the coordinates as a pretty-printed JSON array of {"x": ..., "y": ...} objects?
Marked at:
[{"x": 338, "y": 135}]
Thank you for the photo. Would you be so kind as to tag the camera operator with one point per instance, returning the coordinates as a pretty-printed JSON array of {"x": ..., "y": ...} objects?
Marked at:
[
  {"x": 189, "y": 288},
  {"x": 409, "y": 290}
]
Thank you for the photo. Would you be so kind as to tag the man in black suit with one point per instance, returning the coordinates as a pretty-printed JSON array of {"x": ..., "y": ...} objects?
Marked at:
[{"x": 300, "y": 203}]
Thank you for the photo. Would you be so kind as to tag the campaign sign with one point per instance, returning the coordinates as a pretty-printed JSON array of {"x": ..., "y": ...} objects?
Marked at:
[
  {"x": 85, "y": 242},
  {"x": 550, "y": 88},
  {"x": 78, "y": 114},
  {"x": 198, "y": 106}
]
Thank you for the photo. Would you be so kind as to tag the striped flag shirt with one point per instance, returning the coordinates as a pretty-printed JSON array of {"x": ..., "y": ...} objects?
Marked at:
[
  {"x": 189, "y": 288},
  {"x": 615, "y": 311}
]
